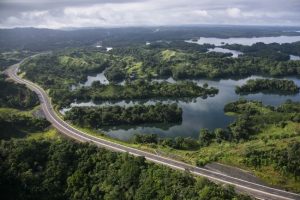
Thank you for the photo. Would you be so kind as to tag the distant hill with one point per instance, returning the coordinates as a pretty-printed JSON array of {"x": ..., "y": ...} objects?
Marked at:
[{"x": 48, "y": 39}]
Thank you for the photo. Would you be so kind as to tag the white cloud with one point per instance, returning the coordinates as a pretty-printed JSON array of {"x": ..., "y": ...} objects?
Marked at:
[
  {"x": 79, "y": 13},
  {"x": 234, "y": 12},
  {"x": 202, "y": 13}
]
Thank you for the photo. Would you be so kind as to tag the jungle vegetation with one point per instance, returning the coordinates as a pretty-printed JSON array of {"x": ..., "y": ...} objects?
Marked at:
[
  {"x": 97, "y": 117},
  {"x": 16, "y": 95},
  {"x": 62, "y": 169},
  {"x": 269, "y": 86}
]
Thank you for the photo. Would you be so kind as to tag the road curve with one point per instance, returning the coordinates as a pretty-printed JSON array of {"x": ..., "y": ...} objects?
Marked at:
[{"x": 253, "y": 189}]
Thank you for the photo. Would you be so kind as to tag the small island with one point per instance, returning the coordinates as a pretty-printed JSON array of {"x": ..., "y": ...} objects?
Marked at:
[
  {"x": 136, "y": 90},
  {"x": 268, "y": 86},
  {"x": 117, "y": 115}
]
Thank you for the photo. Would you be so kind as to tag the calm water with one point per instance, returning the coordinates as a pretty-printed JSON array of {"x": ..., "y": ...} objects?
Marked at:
[
  {"x": 200, "y": 113},
  {"x": 292, "y": 57},
  {"x": 99, "y": 77},
  {"x": 246, "y": 41},
  {"x": 235, "y": 54},
  {"x": 90, "y": 79}
]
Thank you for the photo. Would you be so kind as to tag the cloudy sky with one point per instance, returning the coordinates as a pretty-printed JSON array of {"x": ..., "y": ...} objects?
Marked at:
[{"x": 112, "y": 13}]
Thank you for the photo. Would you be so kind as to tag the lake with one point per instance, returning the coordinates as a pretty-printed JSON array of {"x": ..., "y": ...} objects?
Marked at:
[
  {"x": 98, "y": 77},
  {"x": 292, "y": 57},
  {"x": 92, "y": 78},
  {"x": 235, "y": 53},
  {"x": 197, "y": 114},
  {"x": 245, "y": 41}
]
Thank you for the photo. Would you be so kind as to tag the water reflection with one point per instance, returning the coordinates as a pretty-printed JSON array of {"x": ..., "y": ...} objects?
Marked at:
[
  {"x": 235, "y": 54},
  {"x": 169, "y": 80},
  {"x": 292, "y": 57},
  {"x": 197, "y": 113},
  {"x": 99, "y": 77}
]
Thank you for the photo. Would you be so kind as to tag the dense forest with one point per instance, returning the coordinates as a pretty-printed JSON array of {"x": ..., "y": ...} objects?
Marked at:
[
  {"x": 181, "y": 64},
  {"x": 117, "y": 115},
  {"x": 12, "y": 57},
  {"x": 134, "y": 90},
  {"x": 16, "y": 102},
  {"x": 18, "y": 125},
  {"x": 16, "y": 95},
  {"x": 148, "y": 62},
  {"x": 273, "y": 51},
  {"x": 46, "y": 39},
  {"x": 270, "y": 86},
  {"x": 40, "y": 169},
  {"x": 59, "y": 72},
  {"x": 137, "y": 65},
  {"x": 143, "y": 90},
  {"x": 182, "y": 143}
]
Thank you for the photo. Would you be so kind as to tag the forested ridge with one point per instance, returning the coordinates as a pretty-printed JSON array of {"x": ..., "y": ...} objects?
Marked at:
[
  {"x": 187, "y": 64},
  {"x": 158, "y": 60},
  {"x": 46, "y": 39}
]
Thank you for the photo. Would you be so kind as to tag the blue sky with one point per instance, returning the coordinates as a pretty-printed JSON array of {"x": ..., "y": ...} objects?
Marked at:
[{"x": 115, "y": 13}]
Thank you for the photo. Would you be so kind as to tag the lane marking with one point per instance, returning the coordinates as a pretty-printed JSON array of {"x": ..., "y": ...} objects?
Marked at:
[{"x": 200, "y": 174}]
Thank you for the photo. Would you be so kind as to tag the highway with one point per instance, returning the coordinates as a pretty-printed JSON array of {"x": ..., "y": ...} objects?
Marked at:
[{"x": 253, "y": 189}]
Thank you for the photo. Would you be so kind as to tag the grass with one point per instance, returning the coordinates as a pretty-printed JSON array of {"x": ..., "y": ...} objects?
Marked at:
[
  {"x": 14, "y": 111},
  {"x": 274, "y": 131},
  {"x": 135, "y": 68},
  {"x": 168, "y": 54},
  {"x": 233, "y": 153},
  {"x": 70, "y": 61},
  {"x": 49, "y": 134}
]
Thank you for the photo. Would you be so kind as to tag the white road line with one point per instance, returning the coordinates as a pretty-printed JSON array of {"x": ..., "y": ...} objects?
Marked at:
[{"x": 217, "y": 179}]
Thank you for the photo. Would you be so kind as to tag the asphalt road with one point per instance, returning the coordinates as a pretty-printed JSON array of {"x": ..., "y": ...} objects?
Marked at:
[{"x": 251, "y": 188}]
